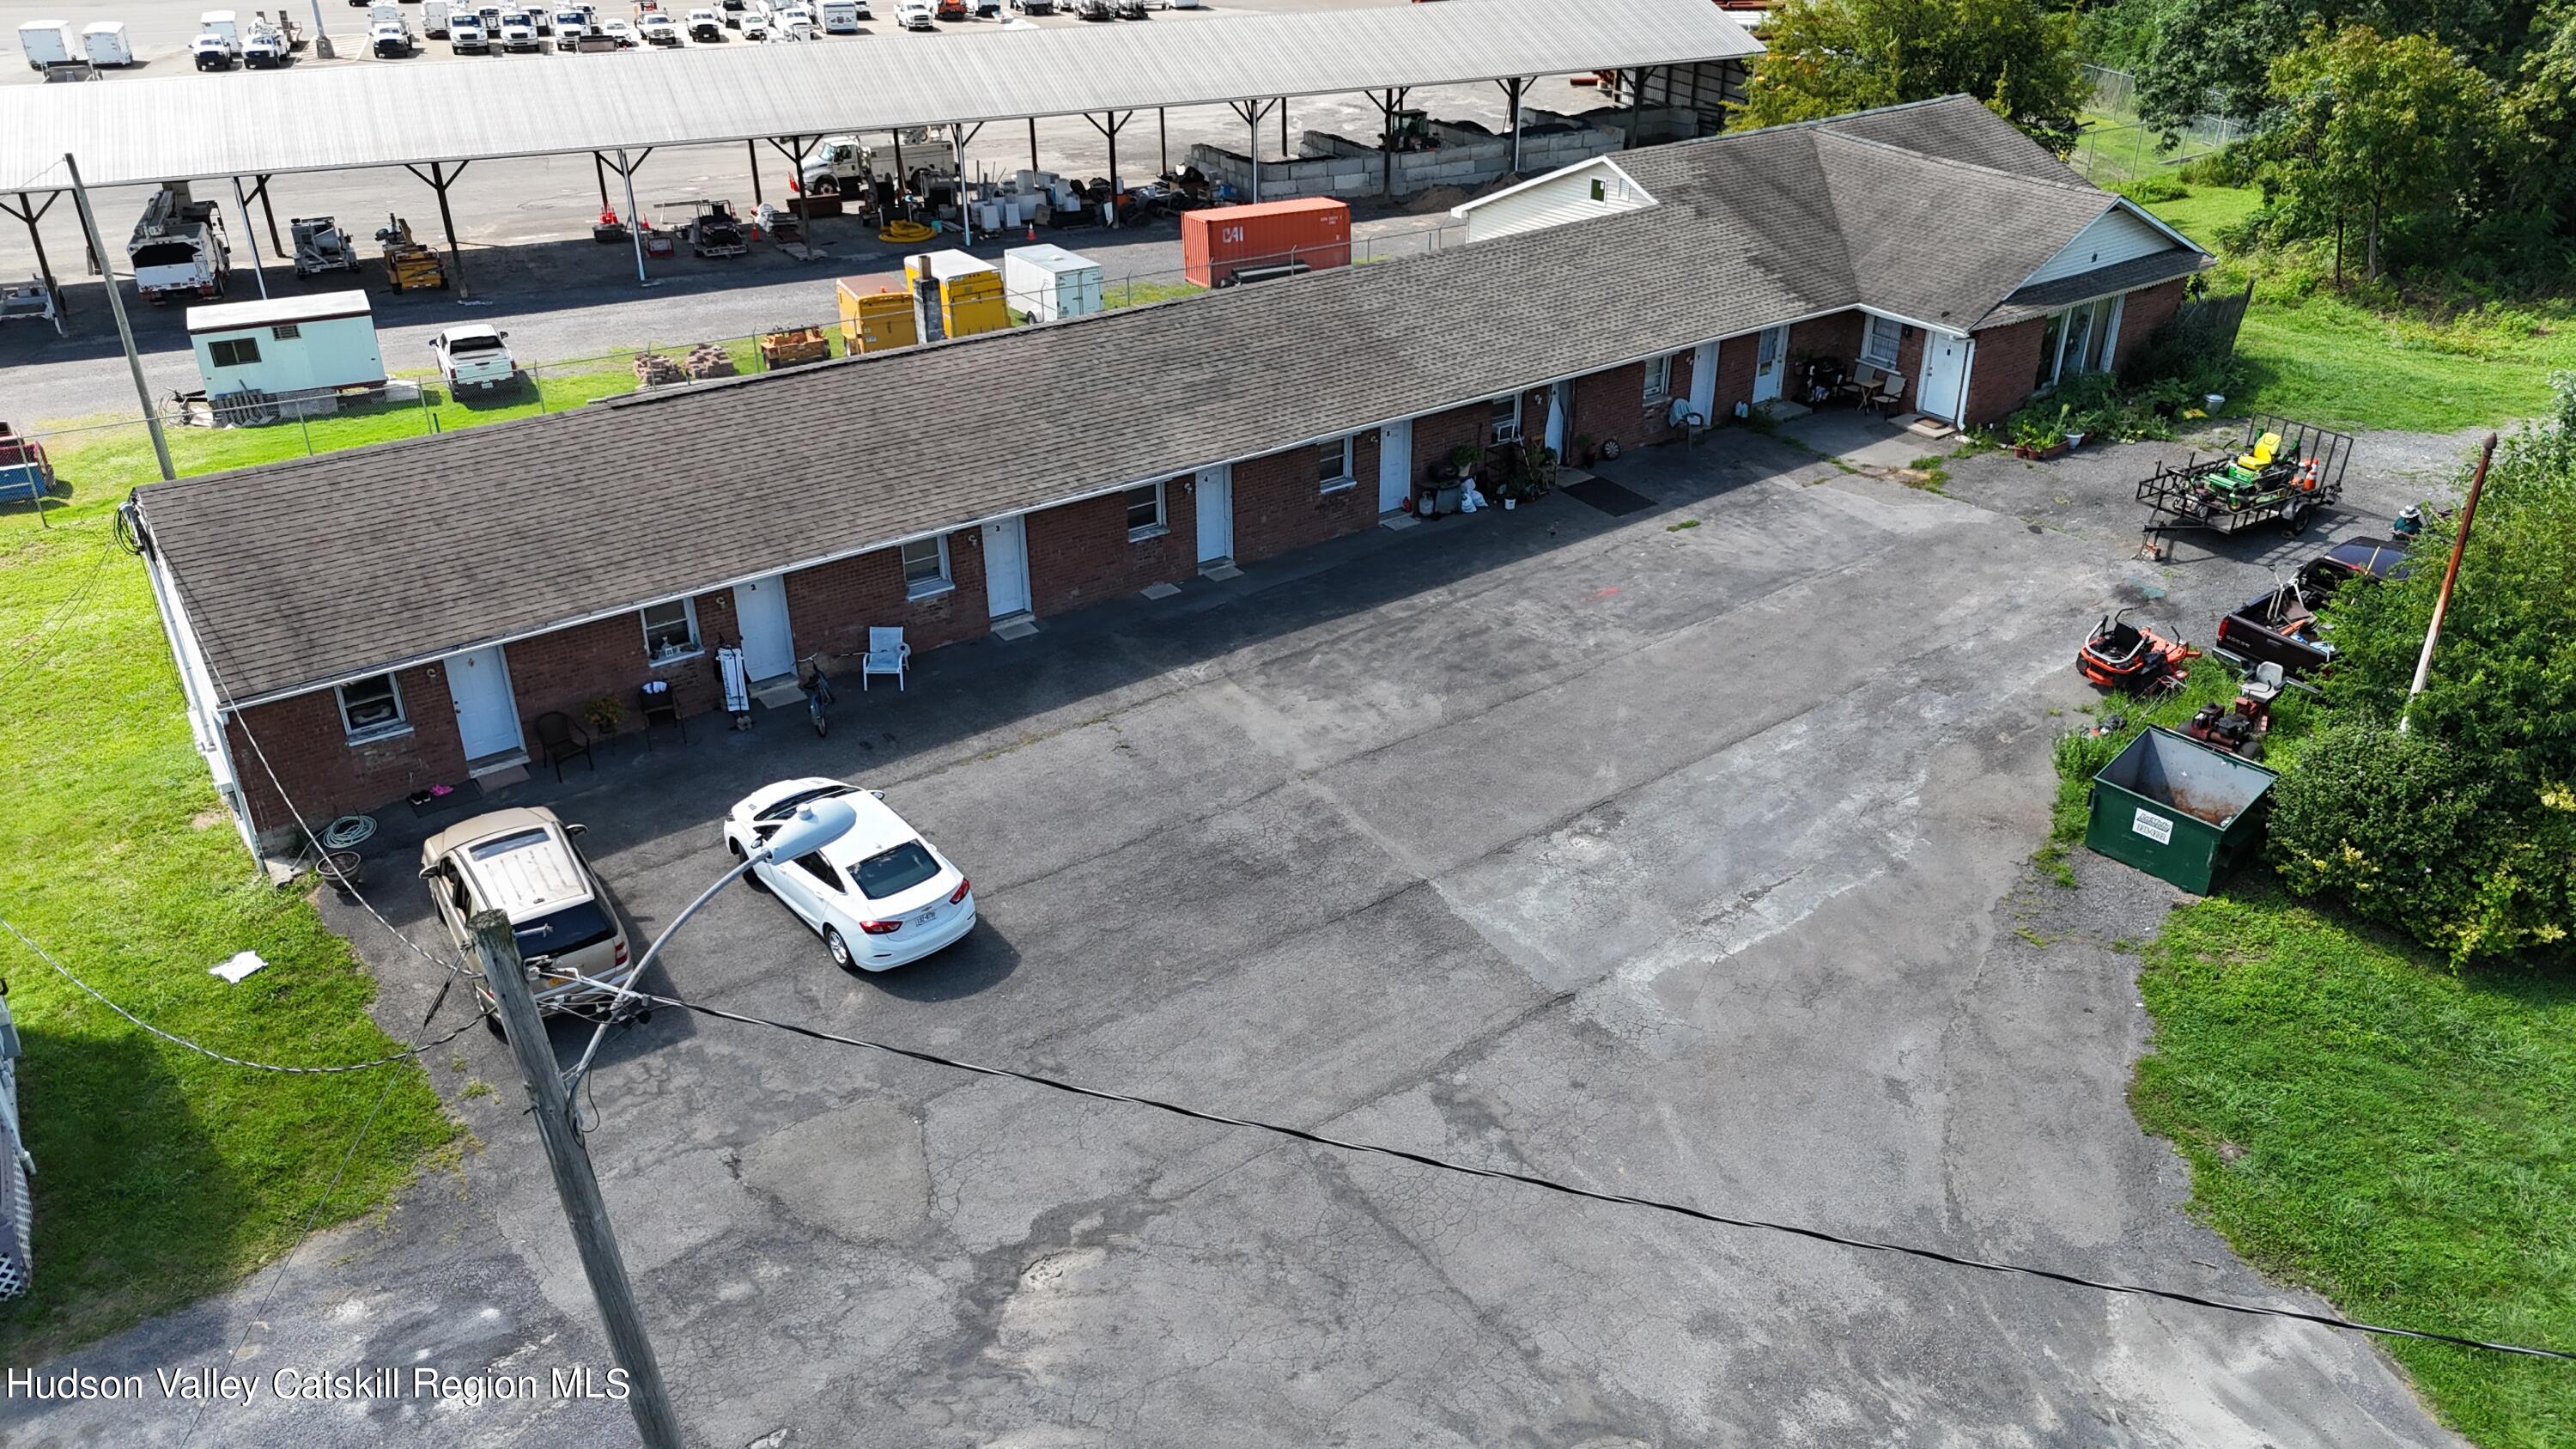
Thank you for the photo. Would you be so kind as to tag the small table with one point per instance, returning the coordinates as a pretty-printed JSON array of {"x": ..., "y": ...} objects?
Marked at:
[{"x": 661, "y": 702}]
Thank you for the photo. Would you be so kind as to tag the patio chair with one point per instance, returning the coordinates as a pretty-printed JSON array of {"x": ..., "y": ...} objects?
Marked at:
[
  {"x": 559, "y": 739},
  {"x": 656, "y": 700},
  {"x": 1890, "y": 390},
  {"x": 1858, "y": 384},
  {"x": 886, "y": 655}
]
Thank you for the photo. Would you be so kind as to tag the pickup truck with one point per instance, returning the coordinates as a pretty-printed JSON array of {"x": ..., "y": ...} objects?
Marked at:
[
  {"x": 474, "y": 358},
  {"x": 2280, "y": 626},
  {"x": 466, "y": 36}
]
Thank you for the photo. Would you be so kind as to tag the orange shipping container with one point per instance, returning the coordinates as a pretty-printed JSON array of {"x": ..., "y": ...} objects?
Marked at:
[{"x": 1220, "y": 241}]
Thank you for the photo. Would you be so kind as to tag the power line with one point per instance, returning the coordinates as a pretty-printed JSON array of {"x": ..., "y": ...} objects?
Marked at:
[
  {"x": 330, "y": 1189},
  {"x": 1813, "y": 1234},
  {"x": 202, "y": 1050}
]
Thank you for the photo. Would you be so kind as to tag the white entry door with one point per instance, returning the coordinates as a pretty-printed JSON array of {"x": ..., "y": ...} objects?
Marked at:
[
  {"x": 1215, "y": 488},
  {"x": 1770, "y": 364},
  {"x": 1006, "y": 567},
  {"x": 1945, "y": 377},
  {"x": 760, "y": 611},
  {"x": 1394, "y": 465},
  {"x": 487, "y": 715}
]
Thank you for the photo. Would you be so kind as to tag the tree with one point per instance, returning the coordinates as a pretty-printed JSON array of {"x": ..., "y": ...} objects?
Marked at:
[
  {"x": 2462, "y": 831},
  {"x": 1826, "y": 57},
  {"x": 2377, "y": 124}
]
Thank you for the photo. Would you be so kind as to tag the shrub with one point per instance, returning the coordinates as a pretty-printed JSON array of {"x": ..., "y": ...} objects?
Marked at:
[{"x": 2150, "y": 190}]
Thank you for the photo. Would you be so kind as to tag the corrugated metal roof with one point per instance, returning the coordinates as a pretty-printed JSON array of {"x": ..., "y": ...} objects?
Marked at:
[
  {"x": 339, "y": 117},
  {"x": 303, "y": 573}
]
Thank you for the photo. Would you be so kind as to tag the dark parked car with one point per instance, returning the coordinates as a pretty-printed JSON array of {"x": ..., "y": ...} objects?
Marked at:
[{"x": 2280, "y": 626}]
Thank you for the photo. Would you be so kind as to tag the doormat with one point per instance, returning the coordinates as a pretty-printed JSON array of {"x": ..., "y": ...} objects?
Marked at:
[{"x": 1609, "y": 497}]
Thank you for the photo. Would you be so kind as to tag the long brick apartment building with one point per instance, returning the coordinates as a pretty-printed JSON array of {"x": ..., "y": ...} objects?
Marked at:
[{"x": 394, "y": 617}]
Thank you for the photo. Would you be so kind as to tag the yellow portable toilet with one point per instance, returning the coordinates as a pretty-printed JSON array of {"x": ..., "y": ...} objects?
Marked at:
[
  {"x": 955, "y": 294},
  {"x": 875, "y": 321}
]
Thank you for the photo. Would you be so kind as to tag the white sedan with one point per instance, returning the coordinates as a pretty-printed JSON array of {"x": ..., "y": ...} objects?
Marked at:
[{"x": 880, "y": 896}]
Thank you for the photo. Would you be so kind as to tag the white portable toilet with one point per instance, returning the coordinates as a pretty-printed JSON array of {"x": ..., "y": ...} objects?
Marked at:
[
  {"x": 1050, "y": 284},
  {"x": 105, "y": 43},
  {"x": 45, "y": 42}
]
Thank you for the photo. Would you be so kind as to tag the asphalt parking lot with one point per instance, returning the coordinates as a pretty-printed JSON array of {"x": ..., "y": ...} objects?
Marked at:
[{"x": 1682, "y": 853}]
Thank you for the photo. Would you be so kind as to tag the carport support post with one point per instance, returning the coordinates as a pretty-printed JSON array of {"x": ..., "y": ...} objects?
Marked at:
[
  {"x": 1252, "y": 112},
  {"x": 30, "y": 213},
  {"x": 258, "y": 272},
  {"x": 1389, "y": 102},
  {"x": 124, "y": 329},
  {"x": 585, "y": 1212},
  {"x": 752, "y": 150},
  {"x": 321, "y": 37},
  {"x": 1514, "y": 89},
  {"x": 957, "y": 187},
  {"x": 268, "y": 213},
  {"x": 1109, "y": 125},
  {"x": 599, "y": 168},
  {"x": 439, "y": 179},
  {"x": 1636, "y": 103},
  {"x": 1033, "y": 143},
  {"x": 1163, "y": 129},
  {"x": 634, "y": 221}
]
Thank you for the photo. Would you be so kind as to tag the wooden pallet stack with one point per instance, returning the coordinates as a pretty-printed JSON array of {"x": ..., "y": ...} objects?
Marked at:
[{"x": 708, "y": 359}]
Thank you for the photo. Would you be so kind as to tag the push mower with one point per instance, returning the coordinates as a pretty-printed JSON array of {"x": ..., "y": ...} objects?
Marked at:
[{"x": 2239, "y": 728}]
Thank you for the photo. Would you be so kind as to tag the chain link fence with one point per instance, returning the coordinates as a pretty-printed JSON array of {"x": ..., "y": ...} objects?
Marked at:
[
  {"x": 104, "y": 458},
  {"x": 2120, "y": 145}
]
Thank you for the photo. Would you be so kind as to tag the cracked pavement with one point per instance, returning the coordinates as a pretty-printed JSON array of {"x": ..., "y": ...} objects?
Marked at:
[{"x": 1689, "y": 862}]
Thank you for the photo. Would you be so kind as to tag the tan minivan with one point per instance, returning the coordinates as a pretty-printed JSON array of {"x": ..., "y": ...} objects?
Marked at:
[{"x": 522, "y": 863}]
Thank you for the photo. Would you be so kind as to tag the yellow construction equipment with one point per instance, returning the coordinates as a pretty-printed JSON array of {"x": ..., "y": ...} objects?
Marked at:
[
  {"x": 877, "y": 321},
  {"x": 959, "y": 294},
  {"x": 410, "y": 266}
]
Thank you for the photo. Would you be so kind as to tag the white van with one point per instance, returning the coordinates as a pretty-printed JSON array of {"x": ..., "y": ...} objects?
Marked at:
[{"x": 433, "y": 19}]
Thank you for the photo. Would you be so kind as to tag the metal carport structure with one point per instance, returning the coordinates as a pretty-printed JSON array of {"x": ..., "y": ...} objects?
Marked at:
[{"x": 440, "y": 117}]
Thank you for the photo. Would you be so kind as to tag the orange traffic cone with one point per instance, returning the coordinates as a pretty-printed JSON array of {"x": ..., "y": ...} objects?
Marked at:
[{"x": 1033, "y": 231}]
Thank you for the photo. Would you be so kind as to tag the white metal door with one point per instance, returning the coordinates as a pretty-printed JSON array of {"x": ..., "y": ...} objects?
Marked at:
[
  {"x": 487, "y": 715},
  {"x": 1703, "y": 388},
  {"x": 1215, "y": 488},
  {"x": 760, "y": 611},
  {"x": 1770, "y": 363},
  {"x": 1945, "y": 376},
  {"x": 1394, "y": 464},
  {"x": 1006, "y": 567}
]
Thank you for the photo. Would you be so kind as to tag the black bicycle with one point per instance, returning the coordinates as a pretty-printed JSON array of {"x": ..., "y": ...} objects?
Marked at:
[{"x": 818, "y": 692}]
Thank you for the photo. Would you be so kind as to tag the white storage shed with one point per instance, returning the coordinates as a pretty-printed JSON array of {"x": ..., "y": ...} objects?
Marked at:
[
  {"x": 285, "y": 346},
  {"x": 1050, "y": 284}
]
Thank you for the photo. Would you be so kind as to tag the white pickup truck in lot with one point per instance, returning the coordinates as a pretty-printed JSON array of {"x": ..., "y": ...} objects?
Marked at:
[{"x": 474, "y": 358}]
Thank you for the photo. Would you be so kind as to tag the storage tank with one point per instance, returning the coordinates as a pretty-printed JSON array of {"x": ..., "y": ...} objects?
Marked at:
[
  {"x": 875, "y": 321},
  {"x": 1307, "y": 234},
  {"x": 1050, "y": 284},
  {"x": 958, "y": 294}
]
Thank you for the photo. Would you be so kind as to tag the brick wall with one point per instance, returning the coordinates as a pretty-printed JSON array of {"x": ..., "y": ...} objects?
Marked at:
[
  {"x": 1735, "y": 359},
  {"x": 1909, "y": 365},
  {"x": 2145, "y": 310},
  {"x": 1434, "y": 434},
  {"x": 1279, "y": 503},
  {"x": 326, "y": 775},
  {"x": 2006, "y": 366},
  {"x": 1080, "y": 554},
  {"x": 569, "y": 668},
  {"x": 1837, "y": 337},
  {"x": 831, "y": 607}
]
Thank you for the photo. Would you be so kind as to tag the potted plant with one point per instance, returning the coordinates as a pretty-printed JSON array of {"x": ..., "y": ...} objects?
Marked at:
[
  {"x": 1582, "y": 451},
  {"x": 604, "y": 715},
  {"x": 2038, "y": 439}
]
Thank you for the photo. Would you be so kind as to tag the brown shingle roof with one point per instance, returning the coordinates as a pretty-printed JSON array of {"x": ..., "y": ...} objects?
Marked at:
[{"x": 301, "y": 574}]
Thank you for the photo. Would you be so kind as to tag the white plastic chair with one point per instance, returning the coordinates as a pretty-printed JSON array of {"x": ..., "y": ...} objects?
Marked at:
[{"x": 886, "y": 655}]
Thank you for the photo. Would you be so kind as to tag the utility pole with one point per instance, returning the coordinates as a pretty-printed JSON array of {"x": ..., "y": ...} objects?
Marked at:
[
  {"x": 2450, "y": 576},
  {"x": 124, "y": 329},
  {"x": 507, "y": 975}
]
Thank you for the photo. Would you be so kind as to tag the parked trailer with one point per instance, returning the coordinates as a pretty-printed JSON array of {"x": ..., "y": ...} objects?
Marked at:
[
  {"x": 1049, "y": 283},
  {"x": 25, "y": 474},
  {"x": 46, "y": 42},
  {"x": 2282, "y": 472},
  {"x": 105, "y": 43},
  {"x": 1309, "y": 234}
]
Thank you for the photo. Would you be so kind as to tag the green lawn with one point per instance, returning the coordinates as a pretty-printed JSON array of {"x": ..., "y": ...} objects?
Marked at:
[
  {"x": 161, "y": 1175},
  {"x": 2362, "y": 1120},
  {"x": 2313, "y": 354}
]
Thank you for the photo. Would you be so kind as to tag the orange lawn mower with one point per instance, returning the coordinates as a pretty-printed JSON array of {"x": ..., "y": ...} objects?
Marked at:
[{"x": 2125, "y": 656}]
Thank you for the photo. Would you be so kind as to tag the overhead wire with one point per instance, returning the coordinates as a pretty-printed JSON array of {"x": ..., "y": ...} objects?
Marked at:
[
  {"x": 202, "y": 1049},
  {"x": 1684, "y": 1210}
]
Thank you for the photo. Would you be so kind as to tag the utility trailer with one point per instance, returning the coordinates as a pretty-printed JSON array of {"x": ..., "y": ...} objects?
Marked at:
[
  {"x": 319, "y": 247},
  {"x": 2281, "y": 472}
]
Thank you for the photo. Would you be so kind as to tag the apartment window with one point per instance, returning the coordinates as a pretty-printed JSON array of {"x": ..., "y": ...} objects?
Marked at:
[
  {"x": 1879, "y": 342},
  {"x": 2079, "y": 339},
  {"x": 1659, "y": 378},
  {"x": 286, "y": 331},
  {"x": 1145, "y": 511},
  {"x": 1507, "y": 418},
  {"x": 670, "y": 630},
  {"x": 925, "y": 567},
  {"x": 1333, "y": 464},
  {"x": 371, "y": 707},
  {"x": 234, "y": 351}
]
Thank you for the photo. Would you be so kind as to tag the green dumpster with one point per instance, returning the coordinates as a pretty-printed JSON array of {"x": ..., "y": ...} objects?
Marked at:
[{"x": 2178, "y": 810}]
